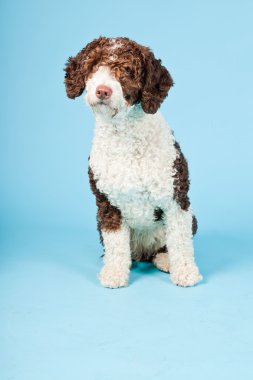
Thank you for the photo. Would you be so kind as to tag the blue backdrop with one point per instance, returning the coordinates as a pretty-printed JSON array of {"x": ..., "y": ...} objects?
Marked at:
[{"x": 56, "y": 321}]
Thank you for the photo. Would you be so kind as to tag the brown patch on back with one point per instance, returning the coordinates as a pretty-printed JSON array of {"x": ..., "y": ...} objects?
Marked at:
[
  {"x": 194, "y": 225},
  {"x": 181, "y": 180},
  {"x": 182, "y": 185},
  {"x": 108, "y": 216}
]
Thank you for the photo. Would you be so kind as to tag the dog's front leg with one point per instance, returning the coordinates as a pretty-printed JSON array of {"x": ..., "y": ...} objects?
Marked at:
[
  {"x": 117, "y": 257},
  {"x": 184, "y": 271}
]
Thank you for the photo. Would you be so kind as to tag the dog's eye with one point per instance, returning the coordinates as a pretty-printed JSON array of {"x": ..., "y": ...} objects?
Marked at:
[{"x": 128, "y": 71}]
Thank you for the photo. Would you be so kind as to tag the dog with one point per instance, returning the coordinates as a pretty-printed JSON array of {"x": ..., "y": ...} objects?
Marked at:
[{"x": 137, "y": 171}]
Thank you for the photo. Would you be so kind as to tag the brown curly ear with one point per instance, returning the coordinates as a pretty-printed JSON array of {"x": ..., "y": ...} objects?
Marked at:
[
  {"x": 74, "y": 77},
  {"x": 157, "y": 84},
  {"x": 78, "y": 67}
]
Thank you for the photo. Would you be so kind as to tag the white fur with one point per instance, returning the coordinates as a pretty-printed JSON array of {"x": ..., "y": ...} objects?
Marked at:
[
  {"x": 183, "y": 269},
  {"x": 161, "y": 261},
  {"x": 132, "y": 160},
  {"x": 115, "y": 44},
  {"x": 116, "y": 102},
  {"x": 117, "y": 258},
  {"x": 147, "y": 240}
]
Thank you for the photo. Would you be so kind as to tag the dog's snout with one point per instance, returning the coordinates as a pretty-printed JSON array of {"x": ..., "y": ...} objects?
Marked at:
[{"x": 103, "y": 92}]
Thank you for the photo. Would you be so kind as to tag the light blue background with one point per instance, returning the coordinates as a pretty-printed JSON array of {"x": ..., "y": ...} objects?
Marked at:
[{"x": 56, "y": 322}]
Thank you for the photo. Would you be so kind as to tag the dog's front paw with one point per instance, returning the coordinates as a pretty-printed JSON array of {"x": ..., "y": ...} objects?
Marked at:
[
  {"x": 114, "y": 276},
  {"x": 186, "y": 275}
]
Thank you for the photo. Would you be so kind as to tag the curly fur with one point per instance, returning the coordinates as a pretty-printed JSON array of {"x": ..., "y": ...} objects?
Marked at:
[
  {"x": 142, "y": 77},
  {"x": 181, "y": 179},
  {"x": 137, "y": 171},
  {"x": 108, "y": 216}
]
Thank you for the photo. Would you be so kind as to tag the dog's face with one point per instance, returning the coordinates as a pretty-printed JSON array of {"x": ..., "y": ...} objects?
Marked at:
[{"x": 117, "y": 73}]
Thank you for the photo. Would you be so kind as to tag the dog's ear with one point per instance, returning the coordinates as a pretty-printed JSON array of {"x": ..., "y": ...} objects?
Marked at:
[
  {"x": 78, "y": 67},
  {"x": 74, "y": 77},
  {"x": 157, "y": 83}
]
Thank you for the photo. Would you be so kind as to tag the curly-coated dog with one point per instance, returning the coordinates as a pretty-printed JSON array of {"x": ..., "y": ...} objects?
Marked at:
[{"x": 137, "y": 171}]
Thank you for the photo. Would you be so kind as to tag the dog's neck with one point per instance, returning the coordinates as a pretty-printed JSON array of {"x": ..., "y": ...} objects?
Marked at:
[{"x": 119, "y": 120}]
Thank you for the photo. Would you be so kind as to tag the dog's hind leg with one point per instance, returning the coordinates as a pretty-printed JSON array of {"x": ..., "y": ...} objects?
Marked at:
[
  {"x": 161, "y": 260},
  {"x": 149, "y": 245}
]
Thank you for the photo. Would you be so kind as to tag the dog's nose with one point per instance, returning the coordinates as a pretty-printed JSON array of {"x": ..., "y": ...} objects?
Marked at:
[{"x": 103, "y": 92}]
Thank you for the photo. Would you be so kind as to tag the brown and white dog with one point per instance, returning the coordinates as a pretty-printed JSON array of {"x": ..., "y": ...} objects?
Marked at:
[{"x": 136, "y": 168}]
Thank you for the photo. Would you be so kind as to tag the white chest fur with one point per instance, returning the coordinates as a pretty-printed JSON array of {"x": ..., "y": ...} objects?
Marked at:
[{"x": 132, "y": 161}]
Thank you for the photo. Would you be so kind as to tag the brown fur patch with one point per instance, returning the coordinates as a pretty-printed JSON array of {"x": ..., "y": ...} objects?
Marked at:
[
  {"x": 181, "y": 180},
  {"x": 108, "y": 216},
  {"x": 143, "y": 78},
  {"x": 162, "y": 249},
  {"x": 144, "y": 257},
  {"x": 194, "y": 225},
  {"x": 158, "y": 214}
]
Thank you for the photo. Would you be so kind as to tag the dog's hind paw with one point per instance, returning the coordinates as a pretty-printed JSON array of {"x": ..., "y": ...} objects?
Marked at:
[{"x": 161, "y": 261}]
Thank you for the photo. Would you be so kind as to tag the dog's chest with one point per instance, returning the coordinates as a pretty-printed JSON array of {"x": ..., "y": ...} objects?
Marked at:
[{"x": 134, "y": 170}]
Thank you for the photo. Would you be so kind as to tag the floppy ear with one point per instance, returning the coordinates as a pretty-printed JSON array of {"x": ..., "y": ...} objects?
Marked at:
[
  {"x": 78, "y": 67},
  {"x": 74, "y": 77},
  {"x": 157, "y": 84}
]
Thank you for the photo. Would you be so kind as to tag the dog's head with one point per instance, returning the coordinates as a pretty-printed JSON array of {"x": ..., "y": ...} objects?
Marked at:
[{"x": 117, "y": 73}]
